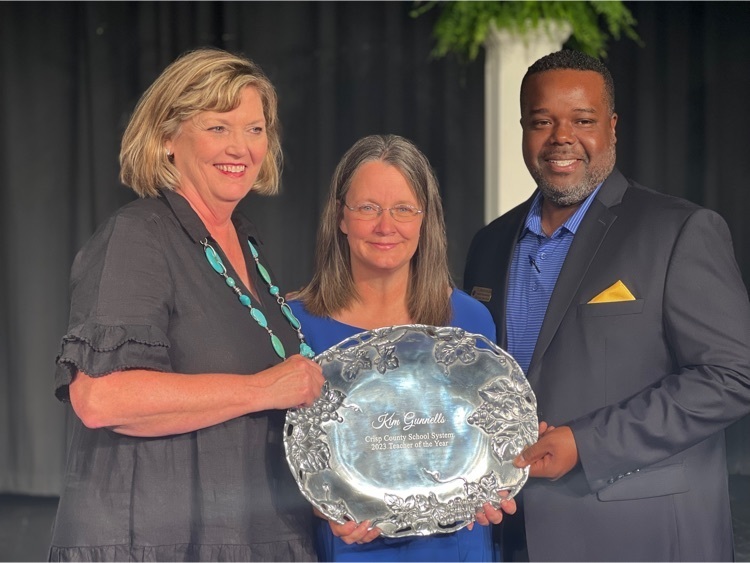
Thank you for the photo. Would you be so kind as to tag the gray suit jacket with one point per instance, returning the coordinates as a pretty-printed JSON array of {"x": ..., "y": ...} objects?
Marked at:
[{"x": 647, "y": 386}]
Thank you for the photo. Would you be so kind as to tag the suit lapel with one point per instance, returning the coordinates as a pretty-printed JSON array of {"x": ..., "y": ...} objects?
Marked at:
[{"x": 589, "y": 236}]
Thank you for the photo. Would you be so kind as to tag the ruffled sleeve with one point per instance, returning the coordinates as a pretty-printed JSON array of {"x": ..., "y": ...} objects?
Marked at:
[
  {"x": 102, "y": 349},
  {"x": 121, "y": 299}
]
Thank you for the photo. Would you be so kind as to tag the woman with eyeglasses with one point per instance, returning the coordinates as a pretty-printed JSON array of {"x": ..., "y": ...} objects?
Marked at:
[{"x": 381, "y": 260}]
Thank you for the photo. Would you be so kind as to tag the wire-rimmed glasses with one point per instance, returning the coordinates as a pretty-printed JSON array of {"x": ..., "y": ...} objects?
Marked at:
[{"x": 402, "y": 213}]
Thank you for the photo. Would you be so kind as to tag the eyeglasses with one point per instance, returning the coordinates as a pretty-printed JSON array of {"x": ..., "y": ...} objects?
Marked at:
[{"x": 401, "y": 213}]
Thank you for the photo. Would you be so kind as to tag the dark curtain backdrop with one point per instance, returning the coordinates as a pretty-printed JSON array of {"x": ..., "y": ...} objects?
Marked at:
[{"x": 71, "y": 73}]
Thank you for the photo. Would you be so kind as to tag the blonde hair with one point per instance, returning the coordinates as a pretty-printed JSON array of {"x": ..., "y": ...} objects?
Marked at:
[
  {"x": 201, "y": 80},
  {"x": 332, "y": 287}
]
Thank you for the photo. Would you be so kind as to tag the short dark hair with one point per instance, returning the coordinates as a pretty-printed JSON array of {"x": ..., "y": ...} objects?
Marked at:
[{"x": 568, "y": 59}]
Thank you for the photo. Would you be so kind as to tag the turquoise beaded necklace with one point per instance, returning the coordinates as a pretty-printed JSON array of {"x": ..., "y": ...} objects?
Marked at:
[{"x": 213, "y": 258}]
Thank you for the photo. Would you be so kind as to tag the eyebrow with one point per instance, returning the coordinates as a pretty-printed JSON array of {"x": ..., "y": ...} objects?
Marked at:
[
  {"x": 217, "y": 116},
  {"x": 537, "y": 111}
]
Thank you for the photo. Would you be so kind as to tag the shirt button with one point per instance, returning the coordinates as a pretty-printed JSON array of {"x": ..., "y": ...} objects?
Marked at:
[
  {"x": 534, "y": 287},
  {"x": 544, "y": 255}
]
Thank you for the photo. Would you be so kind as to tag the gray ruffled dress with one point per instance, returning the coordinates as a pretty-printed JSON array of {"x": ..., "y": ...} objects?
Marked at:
[{"x": 144, "y": 296}]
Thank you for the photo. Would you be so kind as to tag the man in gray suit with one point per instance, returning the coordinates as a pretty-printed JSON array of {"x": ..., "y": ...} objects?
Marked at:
[{"x": 627, "y": 311}]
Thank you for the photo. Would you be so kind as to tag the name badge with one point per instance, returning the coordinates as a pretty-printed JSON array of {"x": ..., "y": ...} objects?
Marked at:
[{"x": 483, "y": 294}]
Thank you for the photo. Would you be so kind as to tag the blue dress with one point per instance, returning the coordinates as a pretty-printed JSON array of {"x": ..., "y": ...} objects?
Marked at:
[{"x": 463, "y": 545}]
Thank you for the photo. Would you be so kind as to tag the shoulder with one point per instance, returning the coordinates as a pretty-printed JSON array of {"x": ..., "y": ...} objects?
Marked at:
[
  {"x": 641, "y": 205},
  {"x": 130, "y": 235},
  {"x": 298, "y": 308},
  {"x": 147, "y": 213},
  {"x": 624, "y": 194},
  {"x": 460, "y": 300},
  {"x": 142, "y": 209},
  {"x": 135, "y": 217},
  {"x": 637, "y": 194},
  {"x": 509, "y": 218},
  {"x": 507, "y": 225},
  {"x": 471, "y": 315},
  {"x": 321, "y": 333},
  {"x": 302, "y": 314}
]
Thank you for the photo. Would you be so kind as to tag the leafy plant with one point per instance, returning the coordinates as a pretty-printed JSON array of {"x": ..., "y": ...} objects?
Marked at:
[{"x": 462, "y": 26}]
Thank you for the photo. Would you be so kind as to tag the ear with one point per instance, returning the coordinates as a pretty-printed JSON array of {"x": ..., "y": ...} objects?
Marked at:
[
  {"x": 343, "y": 227},
  {"x": 613, "y": 124}
]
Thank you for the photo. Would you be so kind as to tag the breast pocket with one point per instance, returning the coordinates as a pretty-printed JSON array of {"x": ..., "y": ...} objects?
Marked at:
[{"x": 611, "y": 309}]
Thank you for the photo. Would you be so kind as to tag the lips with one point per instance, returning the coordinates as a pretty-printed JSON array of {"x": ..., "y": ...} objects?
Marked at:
[{"x": 384, "y": 245}]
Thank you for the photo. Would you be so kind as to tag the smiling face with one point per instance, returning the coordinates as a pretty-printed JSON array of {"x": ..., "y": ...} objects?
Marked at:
[
  {"x": 380, "y": 245},
  {"x": 568, "y": 133},
  {"x": 219, "y": 155}
]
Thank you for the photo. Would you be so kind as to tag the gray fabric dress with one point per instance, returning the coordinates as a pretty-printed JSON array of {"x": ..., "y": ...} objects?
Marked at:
[{"x": 144, "y": 296}]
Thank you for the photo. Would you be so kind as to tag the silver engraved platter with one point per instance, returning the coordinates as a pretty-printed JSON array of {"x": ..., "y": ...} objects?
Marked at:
[{"x": 415, "y": 429}]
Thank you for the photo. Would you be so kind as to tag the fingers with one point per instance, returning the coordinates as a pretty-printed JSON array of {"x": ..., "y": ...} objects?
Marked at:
[
  {"x": 491, "y": 515},
  {"x": 342, "y": 530},
  {"x": 531, "y": 453},
  {"x": 351, "y": 532},
  {"x": 552, "y": 456},
  {"x": 542, "y": 427},
  {"x": 509, "y": 506},
  {"x": 295, "y": 382},
  {"x": 371, "y": 535},
  {"x": 312, "y": 375}
]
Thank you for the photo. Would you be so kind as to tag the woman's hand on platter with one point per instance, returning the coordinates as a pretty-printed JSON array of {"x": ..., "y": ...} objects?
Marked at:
[
  {"x": 295, "y": 382},
  {"x": 351, "y": 532},
  {"x": 491, "y": 515}
]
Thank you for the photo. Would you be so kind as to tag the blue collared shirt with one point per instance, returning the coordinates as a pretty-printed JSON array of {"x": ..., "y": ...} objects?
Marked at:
[{"x": 537, "y": 262}]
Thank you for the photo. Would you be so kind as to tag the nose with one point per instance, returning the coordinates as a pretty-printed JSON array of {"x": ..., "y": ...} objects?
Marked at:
[
  {"x": 237, "y": 144},
  {"x": 563, "y": 134},
  {"x": 385, "y": 222}
]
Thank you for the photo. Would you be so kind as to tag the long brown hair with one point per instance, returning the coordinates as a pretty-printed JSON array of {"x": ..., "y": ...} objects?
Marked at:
[{"x": 332, "y": 288}]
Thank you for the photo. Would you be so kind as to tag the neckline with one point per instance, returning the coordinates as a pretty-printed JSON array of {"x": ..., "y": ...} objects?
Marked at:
[
  {"x": 194, "y": 227},
  {"x": 360, "y": 329}
]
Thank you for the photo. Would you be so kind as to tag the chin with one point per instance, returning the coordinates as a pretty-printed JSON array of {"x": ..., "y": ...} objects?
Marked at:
[{"x": 385, "y": 267}]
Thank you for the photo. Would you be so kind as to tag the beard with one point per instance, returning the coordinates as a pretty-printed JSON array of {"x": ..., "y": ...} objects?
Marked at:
[{"x": 565, "y": 196}]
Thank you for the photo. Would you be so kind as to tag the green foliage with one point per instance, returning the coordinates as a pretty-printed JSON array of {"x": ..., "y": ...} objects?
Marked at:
[{"x": 462, "y": 26}]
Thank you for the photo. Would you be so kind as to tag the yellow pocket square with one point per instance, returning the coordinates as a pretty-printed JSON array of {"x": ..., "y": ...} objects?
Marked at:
[{"x": 616, "y": 292}]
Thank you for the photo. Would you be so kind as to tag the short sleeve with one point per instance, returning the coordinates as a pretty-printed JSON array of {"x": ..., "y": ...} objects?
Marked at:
[{"x": 121, "y": 295}]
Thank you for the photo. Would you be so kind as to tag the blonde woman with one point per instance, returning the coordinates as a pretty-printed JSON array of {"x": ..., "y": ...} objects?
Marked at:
[{"x": 180, "y": 352}]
